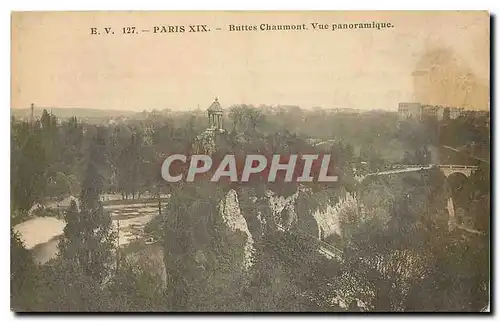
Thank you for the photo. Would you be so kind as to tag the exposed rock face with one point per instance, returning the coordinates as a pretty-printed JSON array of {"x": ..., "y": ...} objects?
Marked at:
[
  {"x": 231, "y": 213},
  {"x": 329, "y": 219},
  {"x": 205, "y": 142},
  {"x": 209, "y": 140},
  {"x": 36, "y": 207},
  {"x": 284, "y": 215},
  {"x": 282, "y": 209},
  {"x": 281, "y": 213}
]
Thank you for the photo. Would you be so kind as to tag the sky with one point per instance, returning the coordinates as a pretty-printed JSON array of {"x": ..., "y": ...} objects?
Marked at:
[{"x": 430, "y": 57}]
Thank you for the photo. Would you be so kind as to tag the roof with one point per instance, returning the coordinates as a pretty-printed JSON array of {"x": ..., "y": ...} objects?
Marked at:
[{"x": 215, "y": 107}]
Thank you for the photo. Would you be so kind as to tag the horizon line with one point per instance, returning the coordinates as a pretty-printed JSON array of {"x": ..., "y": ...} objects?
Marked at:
[{"x": 231, "y": 105}]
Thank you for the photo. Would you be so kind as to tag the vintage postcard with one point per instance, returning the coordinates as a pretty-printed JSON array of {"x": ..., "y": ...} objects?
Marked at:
[{"x": 267, "y": 161}]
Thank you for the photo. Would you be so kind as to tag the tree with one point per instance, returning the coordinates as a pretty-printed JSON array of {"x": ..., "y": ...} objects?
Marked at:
[
  {"x": 63, "y": 286},
  {"x": 236, "y": 116},
  {"x": 204, "y": 260},
  {"x": 411, "y": 260},
  {"x": 22, "y": 275},
  {"x": 254, "y": 117},
  {"x": 29, "y": 166},
  {"x": 135, "y": 289},
  {"x": 245, "y": 117},
  {"x": 88, "y": 236},
  {"x": 281, "y": 278}
]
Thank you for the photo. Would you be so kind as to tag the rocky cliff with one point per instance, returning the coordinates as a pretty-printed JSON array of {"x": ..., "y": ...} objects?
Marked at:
[{"x": 231, "y": 213}]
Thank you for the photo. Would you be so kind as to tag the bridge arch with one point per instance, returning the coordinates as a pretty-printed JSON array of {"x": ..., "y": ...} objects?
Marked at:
[
  {"x": 449, "y": 170},
  {"x": 457, "y": 181},
  {"x": 457, "y": 177}
]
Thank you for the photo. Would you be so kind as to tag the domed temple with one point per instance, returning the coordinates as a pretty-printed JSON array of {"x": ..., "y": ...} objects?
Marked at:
[
  {"x": 215, "y": 115},
  {"x": 215, "y": 135}
]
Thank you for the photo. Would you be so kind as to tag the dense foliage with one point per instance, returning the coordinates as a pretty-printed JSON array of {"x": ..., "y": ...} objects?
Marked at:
[{"x": 399, "y": 252}]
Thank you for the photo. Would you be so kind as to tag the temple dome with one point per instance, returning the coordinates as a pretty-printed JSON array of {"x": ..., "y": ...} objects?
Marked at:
[{"x": 215, "y": 107}]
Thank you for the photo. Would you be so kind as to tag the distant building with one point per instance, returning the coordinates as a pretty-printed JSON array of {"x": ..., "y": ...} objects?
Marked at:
[
  {"x": 410, "y": 111},
  {"x": 433, "y": 111},
  {"x": 420, "y": 112},
  {"x": 440, "y": 114},
  {"x": 456, "y": 112},
  {"x": 429, "y": 111},
  {"x": 482, "y": 113}
]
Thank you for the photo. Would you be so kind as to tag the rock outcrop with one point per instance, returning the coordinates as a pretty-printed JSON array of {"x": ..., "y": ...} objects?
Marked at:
[
  {"x": 329, "y": 219},
  {"x": 231, "y": 213},
  {"x": 205, "y": 142},
  {"x": 282, "y": 209}
]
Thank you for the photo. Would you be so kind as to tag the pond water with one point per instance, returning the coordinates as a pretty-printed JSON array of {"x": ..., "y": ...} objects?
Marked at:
[
  {"x": 42, "y": 234},
  {"x": 39, "y": 230}
]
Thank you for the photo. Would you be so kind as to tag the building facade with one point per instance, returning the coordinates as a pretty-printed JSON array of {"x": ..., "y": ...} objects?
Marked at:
[
  {"x": 434, "y": 112},
  {"x": 420, "y": 112},
  {"x": 410, "y": 111}
]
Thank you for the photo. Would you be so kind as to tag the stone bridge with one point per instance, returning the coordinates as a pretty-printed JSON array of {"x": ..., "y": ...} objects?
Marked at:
[
  {"x": 446, "y": 169},
  {"x": 466, "y": 170}
]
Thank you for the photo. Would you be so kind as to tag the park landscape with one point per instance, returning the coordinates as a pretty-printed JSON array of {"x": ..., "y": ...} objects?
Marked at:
[
  {"x": 403, "y": 111},
  {"x": 406, "y": 224}
]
